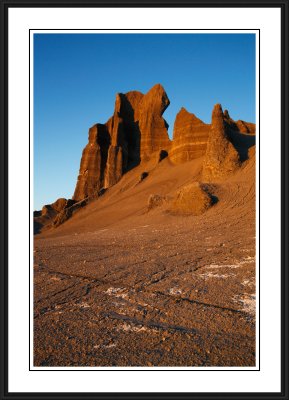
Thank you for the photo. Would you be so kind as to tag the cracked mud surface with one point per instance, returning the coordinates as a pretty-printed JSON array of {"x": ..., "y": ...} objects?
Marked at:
[{"x": 151, "y": 290}]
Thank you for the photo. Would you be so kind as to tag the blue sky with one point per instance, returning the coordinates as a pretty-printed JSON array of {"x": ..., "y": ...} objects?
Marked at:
[{"x": 76, "y": 78}]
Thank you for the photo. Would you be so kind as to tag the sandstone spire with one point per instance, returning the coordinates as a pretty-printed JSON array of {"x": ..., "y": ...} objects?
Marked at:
[
  {"x": 153, "y": 127},
  {"x": 137, "y": 129},
  {"x": 190, "y": 137},
  {"x": 221, "y": 156},
  {"x": 132, "y": 134},
  {"x": 93, "y": 162}
]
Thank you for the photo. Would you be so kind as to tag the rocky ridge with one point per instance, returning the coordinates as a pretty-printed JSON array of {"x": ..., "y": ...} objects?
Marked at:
[
  {"x": 131, "y": 135},
  {"x": 137, "y": 133}
]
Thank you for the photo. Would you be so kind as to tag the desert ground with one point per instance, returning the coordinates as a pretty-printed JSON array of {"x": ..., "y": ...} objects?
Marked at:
[{"x": 121, "y": 285}]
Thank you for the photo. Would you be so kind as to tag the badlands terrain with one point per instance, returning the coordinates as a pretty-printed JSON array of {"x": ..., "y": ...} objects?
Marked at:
[{"x": 152, "y": 262}]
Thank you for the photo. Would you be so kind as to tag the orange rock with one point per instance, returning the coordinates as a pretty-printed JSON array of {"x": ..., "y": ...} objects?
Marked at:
[
  {"x": 221, "y": 156},
  {"x": 246, "y": 127},
  {"x": 93, "y": 162},
  {"x": 190, "y": 137},
  {"x": 153, "y": 127},
  {"x": 191, "y": 199},
  {"x": 137, "y": 130},
  {"x": 133, "y": 133}
]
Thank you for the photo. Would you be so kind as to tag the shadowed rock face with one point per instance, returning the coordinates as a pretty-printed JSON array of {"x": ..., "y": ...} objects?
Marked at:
[
  {"x": 190, "y": 137},
  {"x": 239, "y": 126},
  {"x": 246, "y": 127},
  {"x": 123, "y": 128},
  {"x": 93, "y": 163},
  {"x": 135, "y": 131},
  {"x": 221, "y": 157}
]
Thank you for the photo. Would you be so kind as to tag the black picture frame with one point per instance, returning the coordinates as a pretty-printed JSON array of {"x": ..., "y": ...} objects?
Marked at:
[{"x": 283, "y": 5}]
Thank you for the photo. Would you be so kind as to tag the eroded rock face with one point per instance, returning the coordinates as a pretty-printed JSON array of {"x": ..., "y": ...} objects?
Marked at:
[
  {"x": 123, "y": 128},
  {"x": 93, "y": 163},
  {"x": 190, "y": 137},
  {"x": 52, "y": 209},
  {"x": 135, "y": 131},
  {"x": 192, "y": 199},
  {"x": 67, "y": 212},
  {"x": 114, "y": 166},
  {"x": 246, "y": 127},
  {"x": 221, "y": 157},
  {"x": 153, "y": 127},
  {"x": 50, "y": 213}
]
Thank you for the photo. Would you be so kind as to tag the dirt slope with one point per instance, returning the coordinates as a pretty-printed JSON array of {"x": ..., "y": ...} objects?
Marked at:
[{"x": 129, "y": 197}]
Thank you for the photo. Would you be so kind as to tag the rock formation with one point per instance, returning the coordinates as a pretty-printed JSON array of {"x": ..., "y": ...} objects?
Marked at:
[
  {"x": 67, "y": 212},
  {"x": 246, "y": 127},
  {"x": 93, "y": 163},
  {"x": 136, "y": 133},
  {"x": 131, "y": 135},
  {"x": 190, "y": 137},
  {"x": 123, "y": 129},
  {"x": 50, "y": 212},
  {"x": 221, "y": 156},
  {"x": 153, "y": 128},
  {"x": 192, "y": 199},
  {"x": 137, "y": 130}
]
